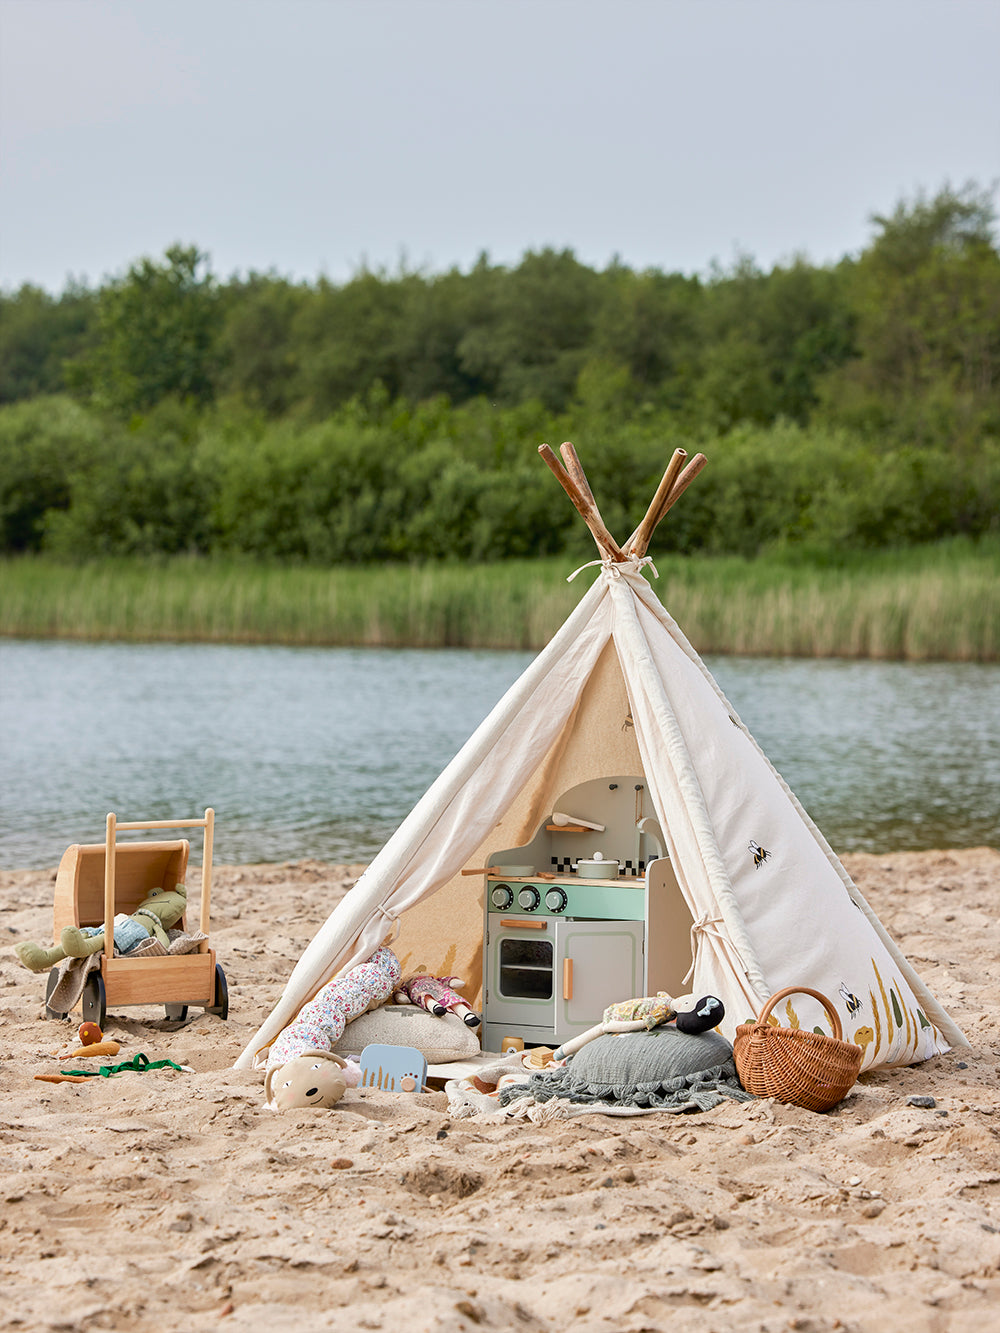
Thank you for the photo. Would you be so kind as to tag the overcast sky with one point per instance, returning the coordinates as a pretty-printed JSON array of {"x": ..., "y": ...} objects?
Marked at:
[{"x": 312, "y": 136}]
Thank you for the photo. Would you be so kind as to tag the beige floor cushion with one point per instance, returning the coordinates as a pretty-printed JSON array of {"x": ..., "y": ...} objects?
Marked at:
[{"x": 438, "y": 1039}]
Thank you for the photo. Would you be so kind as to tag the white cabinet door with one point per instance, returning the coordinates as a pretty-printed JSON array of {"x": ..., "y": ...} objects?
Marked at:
[{"x": 601, "y": 963}]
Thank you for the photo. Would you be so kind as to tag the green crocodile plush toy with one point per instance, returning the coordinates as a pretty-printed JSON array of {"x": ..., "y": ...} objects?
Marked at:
[{"x": 154, "y": 916}]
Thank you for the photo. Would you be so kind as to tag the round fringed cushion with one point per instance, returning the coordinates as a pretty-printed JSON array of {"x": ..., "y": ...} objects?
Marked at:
[
  {"x": 638, "y": 1068},
  {"x": 439, "y": 1040}
]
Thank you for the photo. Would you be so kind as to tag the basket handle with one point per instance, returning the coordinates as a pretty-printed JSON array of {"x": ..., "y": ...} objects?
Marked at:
[{"x": 765, "y": 1013}]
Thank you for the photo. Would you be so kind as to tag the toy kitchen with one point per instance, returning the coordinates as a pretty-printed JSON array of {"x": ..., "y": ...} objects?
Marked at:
[{"x": 584, "y": 915}]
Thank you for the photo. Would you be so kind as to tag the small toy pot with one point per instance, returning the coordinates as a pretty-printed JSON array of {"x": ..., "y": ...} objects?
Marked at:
[{"x": 594, "y": 869}]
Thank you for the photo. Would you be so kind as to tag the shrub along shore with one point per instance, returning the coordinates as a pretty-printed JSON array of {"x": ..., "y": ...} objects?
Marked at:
[
  {"x": 261, "y": 460},
  {"x": 938, "y": 602}
]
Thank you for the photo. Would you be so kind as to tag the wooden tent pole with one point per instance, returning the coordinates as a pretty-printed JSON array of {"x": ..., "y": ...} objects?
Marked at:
[
  {"x": 683, "y": 482},
  {"x": 572, "y": 478},
  {"x": 575, "y": 469},
  {"x": 588, "y": 511},
  {"x": 639, "y": 541},
  {"x": 673, "y": 495}
]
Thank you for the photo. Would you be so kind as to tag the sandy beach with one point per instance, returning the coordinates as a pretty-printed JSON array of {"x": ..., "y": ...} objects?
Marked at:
[{"x": 177, "y": 1201}]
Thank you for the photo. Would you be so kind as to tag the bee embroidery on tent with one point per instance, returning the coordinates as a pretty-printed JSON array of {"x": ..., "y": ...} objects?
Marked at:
[
  {"x": 760, "y": 854},
  {"x": 854, "y": 1005}
]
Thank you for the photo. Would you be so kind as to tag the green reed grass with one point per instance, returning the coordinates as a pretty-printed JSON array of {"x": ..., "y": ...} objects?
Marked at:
[{"x": 928, "y": 603}]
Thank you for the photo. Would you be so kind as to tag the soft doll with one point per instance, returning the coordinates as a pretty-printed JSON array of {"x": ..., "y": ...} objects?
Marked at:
[
  {"x": 435, "y": 994},
  {"x": 320, "y": 1023},
  {"x": 315, "y": 1078},
  {"x": 694, "y": 1016},
  {"x": 154, "y": 916},
  {"x": 691, "y": 1015}
]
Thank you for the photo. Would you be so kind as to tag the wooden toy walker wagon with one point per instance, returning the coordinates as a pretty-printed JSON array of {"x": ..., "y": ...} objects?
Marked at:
[{"x": 95, "y": 882}]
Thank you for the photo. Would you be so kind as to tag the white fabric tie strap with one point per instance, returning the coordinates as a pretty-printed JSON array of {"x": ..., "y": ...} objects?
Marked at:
[
  {"x": 616, "y": 569},
  {"x": 710, "y": 926},
  {"x": 705, "y": 925},
  {"x": 392, "y": 920}
]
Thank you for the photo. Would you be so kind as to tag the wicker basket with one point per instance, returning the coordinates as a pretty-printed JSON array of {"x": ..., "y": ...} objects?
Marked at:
[{"x": 807, "y": 1069}]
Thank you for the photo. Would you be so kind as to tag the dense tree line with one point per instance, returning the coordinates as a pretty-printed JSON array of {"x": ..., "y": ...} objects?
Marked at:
[{"x": 396, "y": 415}]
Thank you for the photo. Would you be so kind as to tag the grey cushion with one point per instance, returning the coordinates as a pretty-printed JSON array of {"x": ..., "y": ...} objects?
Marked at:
[
  {"x": 439, "y": 1040},
  {"x": 663, "y": 1069},
  {"x": 620, "y": 1064}
]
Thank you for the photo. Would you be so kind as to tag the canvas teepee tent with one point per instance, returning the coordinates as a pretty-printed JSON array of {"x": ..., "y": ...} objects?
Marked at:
[{"x": 761, "y": 901}]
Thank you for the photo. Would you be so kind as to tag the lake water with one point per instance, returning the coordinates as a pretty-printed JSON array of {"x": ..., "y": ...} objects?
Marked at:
[{"x": 321, "y": 752}]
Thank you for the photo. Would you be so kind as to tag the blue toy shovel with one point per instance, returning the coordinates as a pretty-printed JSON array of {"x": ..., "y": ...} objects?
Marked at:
[{"x": 393, "y": 1068}]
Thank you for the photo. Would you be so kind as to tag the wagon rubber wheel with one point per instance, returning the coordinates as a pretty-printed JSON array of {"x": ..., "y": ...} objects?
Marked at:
[
  {"x": 93, "y": 1004},
  {"x": 221, "y": 1005},
  {"x": 176, "y": 1013},
  {"x": 50, "y": 985}
]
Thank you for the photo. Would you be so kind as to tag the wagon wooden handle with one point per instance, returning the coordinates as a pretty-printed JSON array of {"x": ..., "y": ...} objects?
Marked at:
[
  {"x": 114, "y": 827},
  {"x": 834, "y": 1017},
  {"x": 206, "y": 873},
  {"x": 109, "y": 888},
  {"x": 167, "y": 823}
]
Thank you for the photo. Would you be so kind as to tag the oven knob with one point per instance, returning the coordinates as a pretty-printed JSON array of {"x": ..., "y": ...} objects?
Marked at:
[
  {"x": 502, "y": 897},
  {"x": 556, "y": 900},
  {"x": 529, "y": 898}
]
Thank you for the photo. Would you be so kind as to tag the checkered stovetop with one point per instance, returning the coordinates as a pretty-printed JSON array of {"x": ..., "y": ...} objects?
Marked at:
[{"x": 563, "y": 865}]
